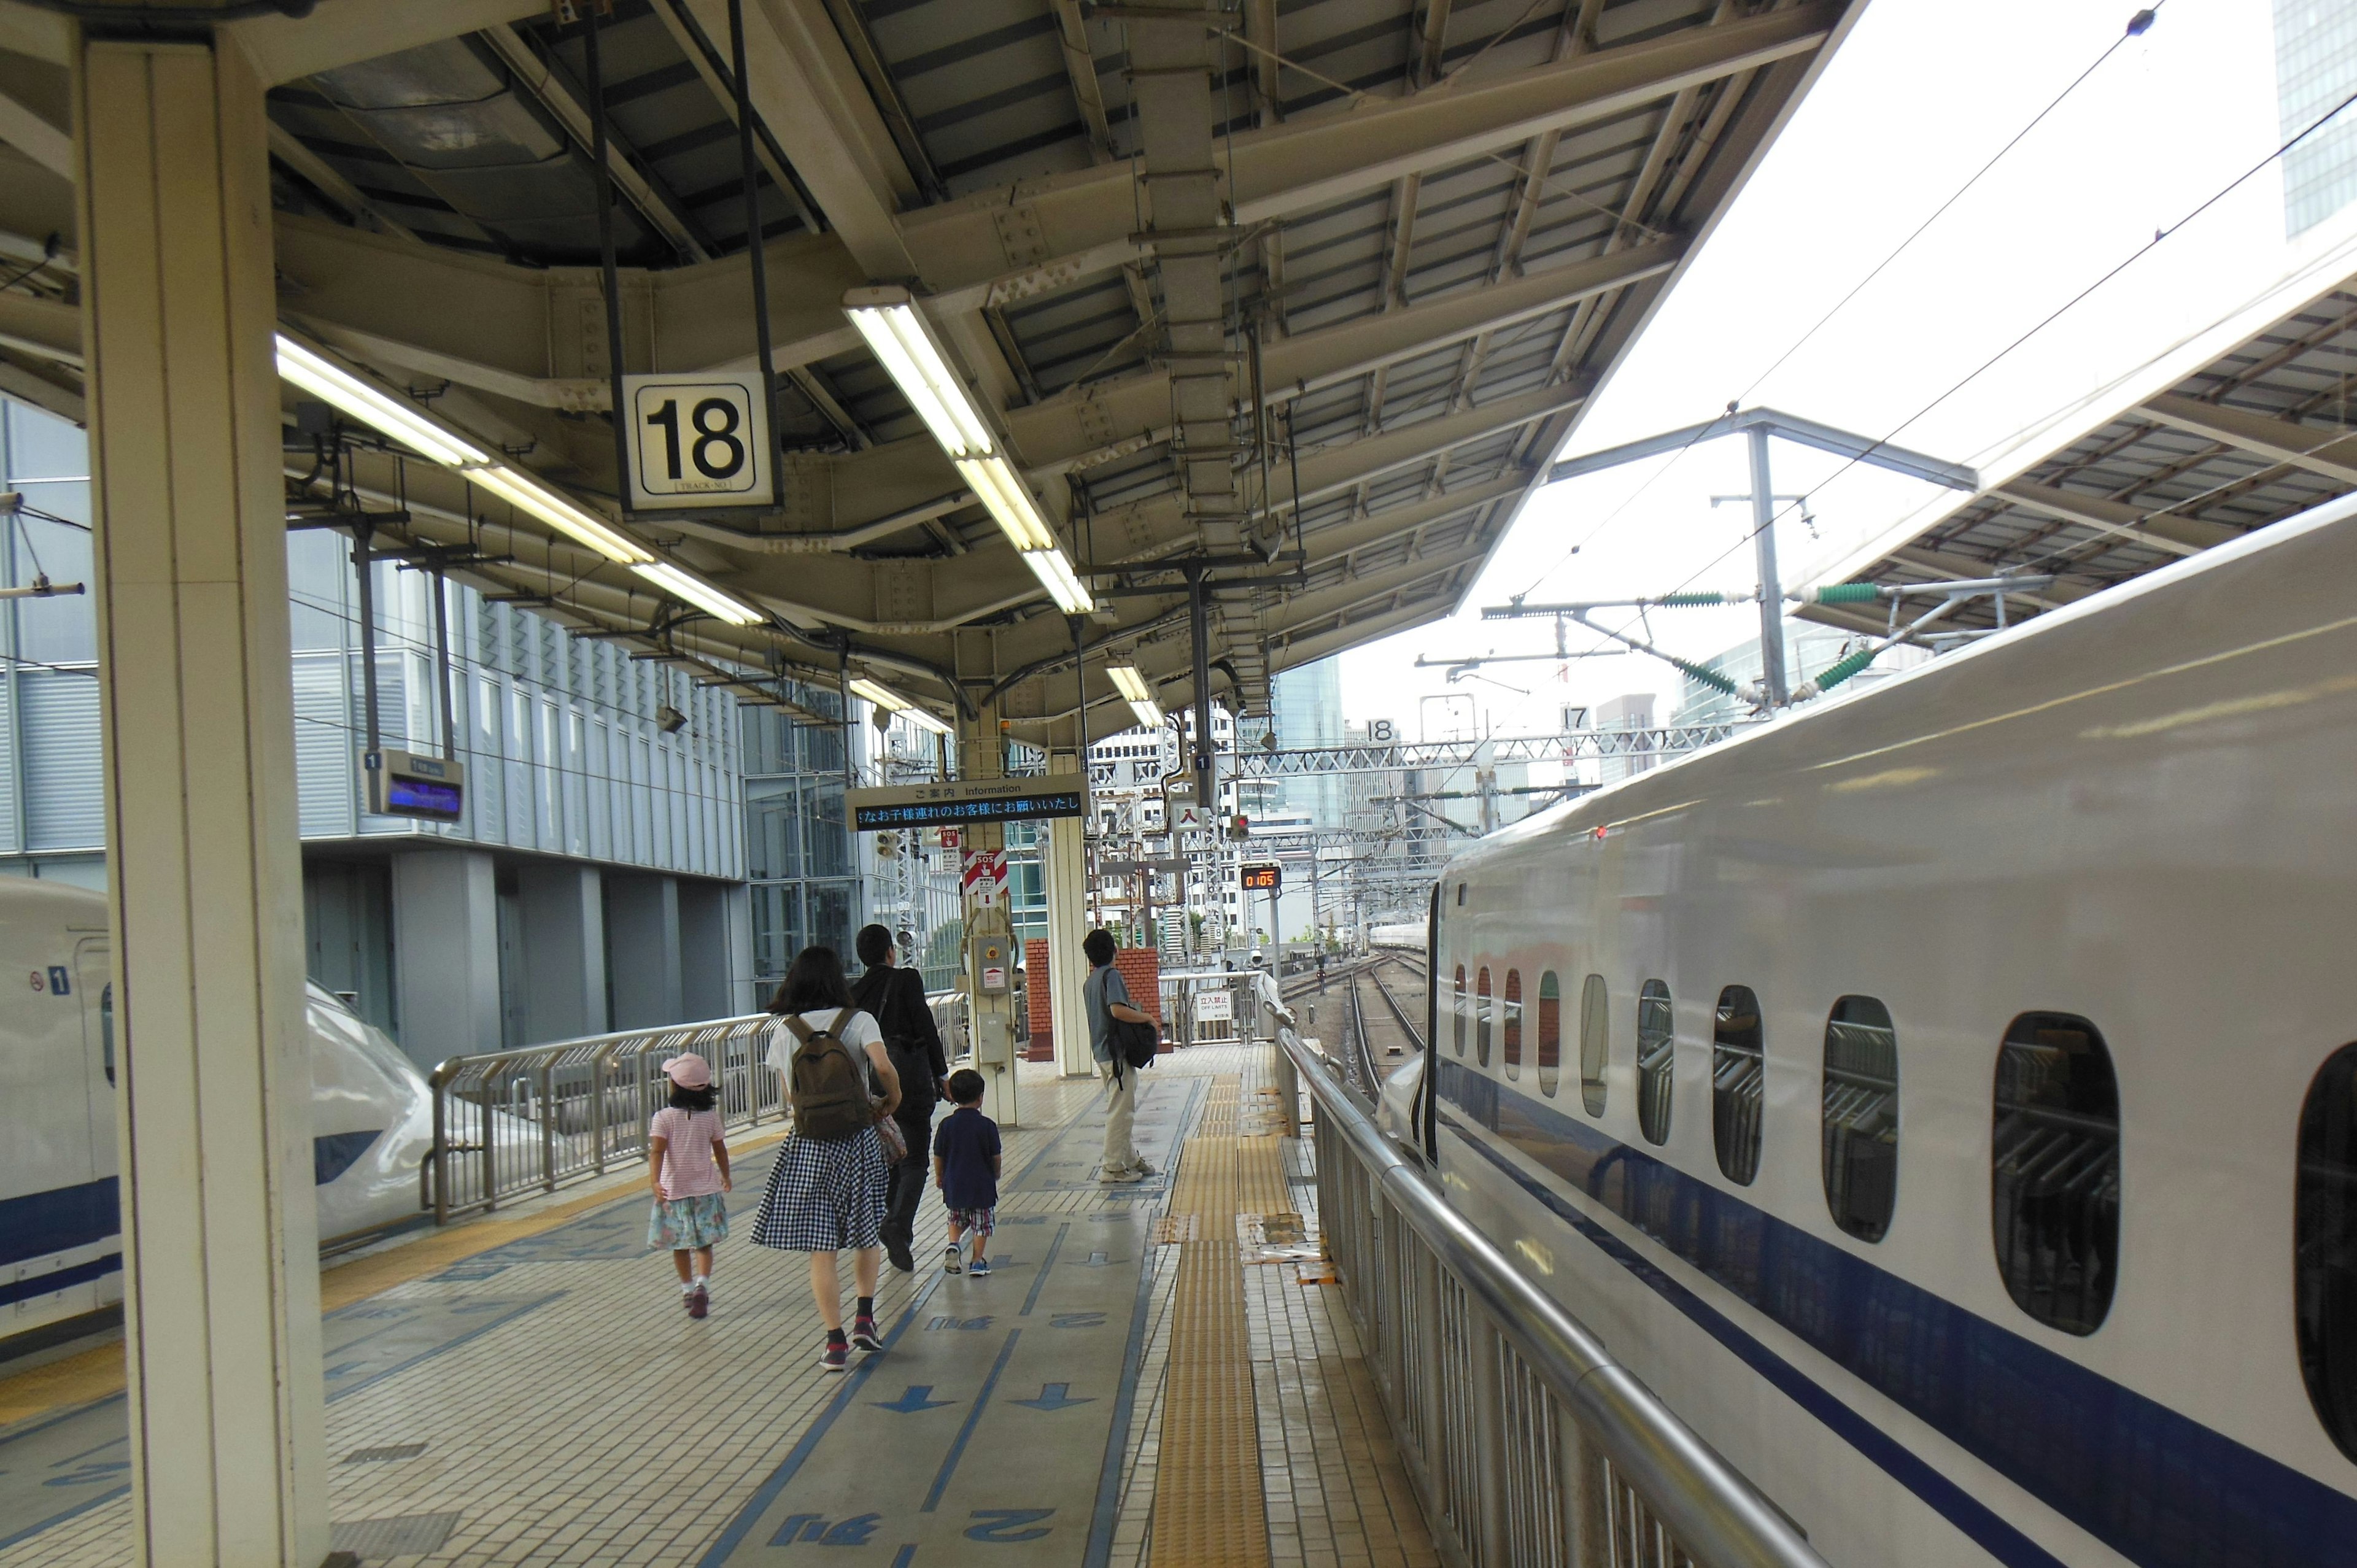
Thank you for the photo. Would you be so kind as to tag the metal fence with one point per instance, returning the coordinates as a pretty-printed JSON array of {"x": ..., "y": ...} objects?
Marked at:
[
  {"x": 508, "y": 1123},
  {"x": 1530, "y": 1445}
]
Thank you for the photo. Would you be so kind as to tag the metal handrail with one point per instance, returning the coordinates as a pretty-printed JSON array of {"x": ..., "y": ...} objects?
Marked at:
[
  {"x": 1673, "y": 1481},
  {"x": 541, "y": 1117}
]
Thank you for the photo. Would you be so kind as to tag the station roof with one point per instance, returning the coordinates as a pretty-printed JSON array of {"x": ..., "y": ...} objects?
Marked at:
[
  {"x": 2215, "y": 449},
  {"x": 1442, "y": 223}
]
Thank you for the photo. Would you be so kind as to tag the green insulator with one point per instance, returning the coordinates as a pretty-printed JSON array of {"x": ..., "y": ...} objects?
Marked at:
[
  {"x": 1848, "y": 593},
  {"x": 1710, "y": 678},
  {"x": 1841, "y": 670},
  {"x": 1681, "y": 601}
]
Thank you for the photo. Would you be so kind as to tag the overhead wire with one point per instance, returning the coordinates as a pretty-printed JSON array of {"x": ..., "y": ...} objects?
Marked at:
[{"x": 2138, "y": 24}]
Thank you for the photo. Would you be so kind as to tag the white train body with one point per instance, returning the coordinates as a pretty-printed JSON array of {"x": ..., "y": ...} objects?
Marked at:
[
  {"x": 2139, "y": 815},
  {"x": 60, "y": 1242},
  {"x": 1398, "y": 936}
]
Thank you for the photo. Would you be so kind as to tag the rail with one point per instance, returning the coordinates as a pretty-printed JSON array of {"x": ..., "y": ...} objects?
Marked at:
[
  {"x": 537, "y": 1117},
  {"x": 1529, "y": 1444}
]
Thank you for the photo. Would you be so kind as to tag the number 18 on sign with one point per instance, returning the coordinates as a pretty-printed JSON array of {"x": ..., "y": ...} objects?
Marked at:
[{"x": 699, "y": 440}]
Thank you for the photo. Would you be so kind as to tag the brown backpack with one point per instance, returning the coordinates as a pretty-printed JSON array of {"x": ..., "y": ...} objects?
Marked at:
[{"x": 827, "y": 1083}]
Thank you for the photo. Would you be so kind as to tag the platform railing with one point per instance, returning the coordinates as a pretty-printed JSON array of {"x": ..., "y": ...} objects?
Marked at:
[
  {"x": 1530, "y": 1445},
  {"x": 510, "y": 1124}
]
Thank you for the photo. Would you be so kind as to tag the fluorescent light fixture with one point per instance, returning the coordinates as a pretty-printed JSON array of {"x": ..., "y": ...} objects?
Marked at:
[
  {"x": 1063, "y": 586},
  {"x": 1129, "y": 683},
  {"x": 330, "y": 382},
  {"x": 1002, "y": 490},
  {"x": 1148, "y": 714},
  {"x": 520, "y": 488},
  {"x": 333, "y": 385},
  {"x": 696, "y": 592},
  {"x": 891, "y": 702},
  {"x": 895, "y": 330}
]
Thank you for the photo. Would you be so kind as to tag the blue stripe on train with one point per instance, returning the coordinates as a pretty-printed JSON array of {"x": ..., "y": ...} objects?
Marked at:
[
  {"x": 42, "y": 1284},
  {"x": 40, "y": 1223},
  {"x": 2154, "y": 1485}
]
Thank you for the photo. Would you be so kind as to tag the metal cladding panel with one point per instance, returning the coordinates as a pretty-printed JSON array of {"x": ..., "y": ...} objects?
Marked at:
[
  {"x": 325, "y": 784},
  {"x": 8, "y": 775},
  {"x": 64, "y": 785}
]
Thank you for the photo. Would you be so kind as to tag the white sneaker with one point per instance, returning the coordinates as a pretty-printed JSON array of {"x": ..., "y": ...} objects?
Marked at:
[
  {"x": 952, "y": 1258},
  {"x": 1113, "y": 1174}
]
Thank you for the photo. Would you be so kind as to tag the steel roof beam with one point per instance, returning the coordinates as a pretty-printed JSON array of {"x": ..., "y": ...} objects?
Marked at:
[
  {"x": 1070, "y": 427},
  {"x": 2330, "y": 453},
  {"x": 1070, "y": 222},
  {"x": 1152, "y": 528},
  {"x": 2176, "y": 535},
  {"x": 1803, "y": 432}
]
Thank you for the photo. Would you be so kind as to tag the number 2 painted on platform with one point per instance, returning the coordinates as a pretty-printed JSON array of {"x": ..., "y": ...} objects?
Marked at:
[{"x": 708, "y": 435}]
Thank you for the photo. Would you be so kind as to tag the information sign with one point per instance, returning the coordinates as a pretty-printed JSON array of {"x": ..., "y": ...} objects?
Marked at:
[
  {"x": 402, "y": 785},
  {"x": 700, "y": 440},
  {"x": 964, "y": 801},
  {"x": 1215, "y": 1006},
  {"x": 1266, "y": 878}
]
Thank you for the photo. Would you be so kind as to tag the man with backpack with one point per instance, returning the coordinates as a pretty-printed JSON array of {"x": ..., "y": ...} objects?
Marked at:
[
  {"x": 1122, "y": 1039},
  {"x": 895, "y": 998}
]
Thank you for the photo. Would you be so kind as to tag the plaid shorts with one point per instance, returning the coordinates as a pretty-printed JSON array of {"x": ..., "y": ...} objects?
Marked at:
[{"x": 976, "y": 1220}]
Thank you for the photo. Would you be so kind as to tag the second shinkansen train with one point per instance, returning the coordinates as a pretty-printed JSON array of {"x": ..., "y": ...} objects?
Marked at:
[{"x": 1946, "y": 1099}]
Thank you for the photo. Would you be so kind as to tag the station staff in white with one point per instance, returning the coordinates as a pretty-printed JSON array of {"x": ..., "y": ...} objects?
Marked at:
[{"x": 1107, "y": 995}]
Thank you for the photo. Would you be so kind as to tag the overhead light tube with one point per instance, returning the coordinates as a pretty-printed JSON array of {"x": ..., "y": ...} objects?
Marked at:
[
  {"x": 891, "y": 702},
  {"x": 1009, "y": 500},
  {"x": 904, "y": 344},
  {"x": 1063, "y": 585},
  {"x": 334, "y": 385},
  {"x": 697, "y": 592}
]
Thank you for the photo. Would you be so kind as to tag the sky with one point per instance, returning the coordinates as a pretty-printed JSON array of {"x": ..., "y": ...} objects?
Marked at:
[{"x": 1921, "y": 94}]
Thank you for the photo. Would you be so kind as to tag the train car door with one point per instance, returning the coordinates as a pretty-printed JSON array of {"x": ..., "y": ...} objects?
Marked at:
[
  {"x": 1431, "y": 1129},
  {"x": 95, "y": 982}
]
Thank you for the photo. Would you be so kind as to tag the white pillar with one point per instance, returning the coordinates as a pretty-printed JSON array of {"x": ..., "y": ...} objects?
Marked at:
[
  {"x": 1065, "y": 875},
  {"x": 446, "y": 952},
  {"x": 228, "y": 1461},
  {"x": 642, "y": 950},
  {"x": 564, "y": 909}
]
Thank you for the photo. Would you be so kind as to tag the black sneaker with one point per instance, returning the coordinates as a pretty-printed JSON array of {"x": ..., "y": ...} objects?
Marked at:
[
  {"x": 863, "y": 1335},
  {"x": 835, "y": 1357},
  {"x": 896, "y": 1254}
]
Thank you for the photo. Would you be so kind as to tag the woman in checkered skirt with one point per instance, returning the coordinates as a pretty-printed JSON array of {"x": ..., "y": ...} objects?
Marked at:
[{"x": 826, "y": 1194}]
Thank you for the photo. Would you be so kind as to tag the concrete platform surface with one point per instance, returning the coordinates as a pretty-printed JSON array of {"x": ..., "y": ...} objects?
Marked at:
[{"x": 1151, "y": 1375}]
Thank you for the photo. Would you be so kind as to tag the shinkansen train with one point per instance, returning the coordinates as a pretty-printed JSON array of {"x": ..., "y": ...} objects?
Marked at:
[
  {"x": 60, "y": 1246},
  {"x": 1945, "y": 1099}
]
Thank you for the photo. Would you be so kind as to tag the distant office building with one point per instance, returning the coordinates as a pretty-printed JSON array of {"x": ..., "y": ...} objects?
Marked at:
[
  {"x": 598, "y": 878},
  {"x": 1308, "y": 700},
  {"x": 1634, "y": 712},
  {"x": 2315, "y": 70}
]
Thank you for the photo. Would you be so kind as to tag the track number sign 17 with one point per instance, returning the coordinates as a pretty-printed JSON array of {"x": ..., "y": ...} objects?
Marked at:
[{"x": 697, "y": 440}]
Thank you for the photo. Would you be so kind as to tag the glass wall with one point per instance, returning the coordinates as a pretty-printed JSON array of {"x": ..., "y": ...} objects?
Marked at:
[{"x": 799, "y": 854}]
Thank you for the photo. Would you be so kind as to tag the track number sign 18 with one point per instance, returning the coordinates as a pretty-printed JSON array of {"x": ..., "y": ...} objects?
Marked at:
[{"x": 697, "y": 440}]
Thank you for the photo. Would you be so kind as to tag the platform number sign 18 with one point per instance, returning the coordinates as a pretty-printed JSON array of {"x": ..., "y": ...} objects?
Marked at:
[{"x": 700, "y": 440}]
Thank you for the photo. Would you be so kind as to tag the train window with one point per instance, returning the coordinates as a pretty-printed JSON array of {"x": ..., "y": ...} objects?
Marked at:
[
  {"x": 1511, "y": 1024},
  {"x": 1457, "y": 1012},
  {"x": 1594, "y": 1042},
  {"x": 1482, "y": 1016},
  {"x": 1738, "y": 1066},
  {"x": 1550, "y": 1032},
  {"x": 1861, "y": 1116},
  {"x": 2055, "y": 1183},
  {"x": 1656, "y": 1055},
  {"x": 2324, "y": 1246}
]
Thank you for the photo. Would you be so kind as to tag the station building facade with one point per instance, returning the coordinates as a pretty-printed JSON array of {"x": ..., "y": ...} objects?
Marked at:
[{"x": 635, "y": 850}]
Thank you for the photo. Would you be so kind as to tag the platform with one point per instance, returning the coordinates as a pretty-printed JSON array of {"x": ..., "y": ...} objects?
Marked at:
[{"x": 1153, "y": 1375}]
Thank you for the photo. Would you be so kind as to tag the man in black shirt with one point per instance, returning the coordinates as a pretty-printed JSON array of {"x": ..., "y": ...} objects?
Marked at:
[{"x": 895, "y": 998}]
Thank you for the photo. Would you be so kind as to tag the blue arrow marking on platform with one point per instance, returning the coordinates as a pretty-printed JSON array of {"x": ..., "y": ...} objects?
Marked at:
[
  {"x": 1098, "y": 1260},
  {"x": 913, "y": 1400},
  {"x": 1053, "y": 1396}
]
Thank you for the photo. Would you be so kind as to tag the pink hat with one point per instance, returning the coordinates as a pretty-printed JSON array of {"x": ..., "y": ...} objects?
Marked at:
[{"x": 689, "y": 1071}]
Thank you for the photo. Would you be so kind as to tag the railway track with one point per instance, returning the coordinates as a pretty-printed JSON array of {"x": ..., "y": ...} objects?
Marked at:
[{"x": 1378, "y": 1040}]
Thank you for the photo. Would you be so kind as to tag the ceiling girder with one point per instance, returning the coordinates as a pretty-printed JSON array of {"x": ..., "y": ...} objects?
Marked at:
[
  {"x": 2326, "y": 452},
  {"x": 2177, "y": 535}
]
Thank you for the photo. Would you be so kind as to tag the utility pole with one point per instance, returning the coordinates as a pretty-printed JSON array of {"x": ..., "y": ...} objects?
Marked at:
[{"x": 1773, "y": 685}]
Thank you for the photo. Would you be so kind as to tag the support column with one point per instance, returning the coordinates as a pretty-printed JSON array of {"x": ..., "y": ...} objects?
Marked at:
[
  {"x": 1772, "y": 680},
  {"x": 706, "y": 973},
  {"x": 1067, "y": 922},
  {"x": 221, "y": 1236},
  {"x": 563, "y": 909},
  {"x": 642, "y": 951},
  {"x": 990, "y": 949},
  {"x": 446, "y": 952}
]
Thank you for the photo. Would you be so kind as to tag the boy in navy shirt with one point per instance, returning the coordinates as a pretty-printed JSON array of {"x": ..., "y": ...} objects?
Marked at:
[{"x": 965, "y": 1167}]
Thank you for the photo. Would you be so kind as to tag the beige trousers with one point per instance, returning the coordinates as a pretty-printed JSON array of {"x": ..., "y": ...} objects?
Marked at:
[{"x": 1121, "y": 1114}]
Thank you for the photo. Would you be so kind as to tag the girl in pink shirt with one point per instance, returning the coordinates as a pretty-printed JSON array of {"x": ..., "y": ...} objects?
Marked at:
[{"x": 687, "y": 1166}]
